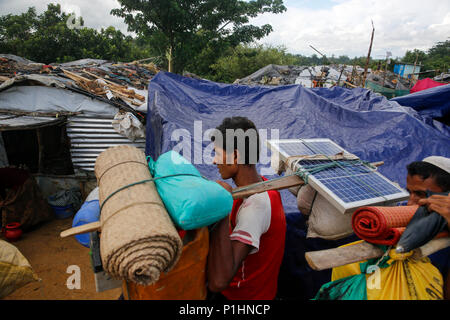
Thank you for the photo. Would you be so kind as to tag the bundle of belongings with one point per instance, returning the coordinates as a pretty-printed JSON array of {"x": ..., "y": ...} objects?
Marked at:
[
  {"x": 145, "y": 210},
  {"x": 15, "y": 270},
  {"x": 398, "y": 274}
]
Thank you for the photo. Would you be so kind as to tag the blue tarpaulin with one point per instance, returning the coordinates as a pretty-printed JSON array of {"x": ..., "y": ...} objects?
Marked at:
[
  {"x": 365, "y": 124},
  {"x": 432, "y": 102}
]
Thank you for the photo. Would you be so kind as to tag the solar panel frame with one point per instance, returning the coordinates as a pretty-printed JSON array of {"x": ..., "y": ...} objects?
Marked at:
[{"x": 326, "y": 192}]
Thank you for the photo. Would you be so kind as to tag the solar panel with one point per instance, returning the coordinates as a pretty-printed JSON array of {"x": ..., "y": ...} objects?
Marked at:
[{"x": 347, "y": 183}]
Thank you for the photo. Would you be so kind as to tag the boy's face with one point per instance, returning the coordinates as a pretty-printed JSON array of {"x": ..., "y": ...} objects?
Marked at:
[
  {"x": 417, "y": 188},
  {"x": 226, "y": 171}
]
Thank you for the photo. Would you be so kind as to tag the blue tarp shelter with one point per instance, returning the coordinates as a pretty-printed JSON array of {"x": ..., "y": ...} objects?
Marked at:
[
  {"x": 363, "y": 123},
  {"x": 430, "y": 103}
]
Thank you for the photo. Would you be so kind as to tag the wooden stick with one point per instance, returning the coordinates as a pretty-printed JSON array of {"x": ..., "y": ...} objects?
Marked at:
[
  {"x": 368, "y": 57},
  {"x": 118, "y": 86},
  {"x": 331, "y": 258},
  {"x": 351, "y": 85},
  {"x": 74, "y": 75},
  {"x": 90, "y": 227},
  {"x": 431, "y": 247},
  {"x": 276, "y": 184}
]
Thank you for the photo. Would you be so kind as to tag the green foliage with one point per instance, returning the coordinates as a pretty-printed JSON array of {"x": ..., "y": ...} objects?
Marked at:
[
  {"x": 182, "y": 29},
  {"x": 243, "y": 60},
  {"x": 438, "y": 57},
  {"x": 47, "y": 38},
  {"x": 211, "y": 38}
]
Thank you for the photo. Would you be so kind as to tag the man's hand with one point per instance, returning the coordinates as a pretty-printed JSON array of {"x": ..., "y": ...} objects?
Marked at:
[
  {"x": 225, "y": 185},
  {"x": 439, "y": 204}
]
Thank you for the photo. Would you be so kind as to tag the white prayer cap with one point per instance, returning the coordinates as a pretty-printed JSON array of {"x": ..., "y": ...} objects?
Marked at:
[{"x": 440, "y": 162}]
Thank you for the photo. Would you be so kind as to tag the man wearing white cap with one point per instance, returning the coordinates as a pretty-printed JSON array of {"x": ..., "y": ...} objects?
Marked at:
[
  {"x": 438, "y": 203},
  {"x": 433, "y": 174}
]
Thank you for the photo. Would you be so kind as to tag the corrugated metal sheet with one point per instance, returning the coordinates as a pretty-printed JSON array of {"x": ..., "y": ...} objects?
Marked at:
[{"x": 91, "y": 136}]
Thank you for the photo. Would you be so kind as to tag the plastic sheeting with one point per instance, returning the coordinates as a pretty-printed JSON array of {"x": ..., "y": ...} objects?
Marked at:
[
  {"x": 363, "y": 123},
  {"x": 425, "y": 84},
  {"x": 431, "y": 103},
  {"x": 49, "y": 99}
]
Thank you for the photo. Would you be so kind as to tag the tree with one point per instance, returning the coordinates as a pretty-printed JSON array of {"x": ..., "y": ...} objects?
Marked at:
[
  {"x": 181, "y": 29},
  {"x": 243, "y": 60},
  {"x": 438, "y": 56},
  {"x": 47, "y": 38}
]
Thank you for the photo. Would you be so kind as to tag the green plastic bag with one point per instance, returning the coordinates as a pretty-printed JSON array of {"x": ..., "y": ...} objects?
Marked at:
[
  {"x": 191, "y": 200},
  {"x": 349, "y": 288}
]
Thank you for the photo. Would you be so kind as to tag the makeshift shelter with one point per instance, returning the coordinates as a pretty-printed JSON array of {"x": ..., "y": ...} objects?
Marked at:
[
  {"x": 432, "y": 104},
  {"x": 56, "y": 119},
  {"x": 307, "y": 76},
  {"x": 181, "y": 109},
  {"x": 54, "y": 122}
]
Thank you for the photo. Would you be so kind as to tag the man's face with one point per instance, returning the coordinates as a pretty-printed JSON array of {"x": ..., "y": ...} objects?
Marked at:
[
  {"x": 226, "y": 171},
  {"x": 417, "y": 188}
]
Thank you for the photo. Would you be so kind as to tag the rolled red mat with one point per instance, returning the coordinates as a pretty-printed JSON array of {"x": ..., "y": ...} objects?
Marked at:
[{"x": 382, "y": 225}]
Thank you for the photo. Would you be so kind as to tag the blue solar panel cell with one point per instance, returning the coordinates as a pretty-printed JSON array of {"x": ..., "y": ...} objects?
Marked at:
[
  {"x": 323, "y": 147},
  {"x": 295, "y": 149},
  {"x": 350, "y": 181},
  {"x": 301, "y": 148}
]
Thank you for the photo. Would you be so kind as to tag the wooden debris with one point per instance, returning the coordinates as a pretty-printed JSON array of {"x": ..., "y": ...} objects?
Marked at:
[{"x": 103, "y": 86}]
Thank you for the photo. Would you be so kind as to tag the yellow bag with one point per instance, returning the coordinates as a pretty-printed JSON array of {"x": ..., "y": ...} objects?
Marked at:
[
  {"x": 399, "y": 278},
  {"x": 15, "y": 270}
]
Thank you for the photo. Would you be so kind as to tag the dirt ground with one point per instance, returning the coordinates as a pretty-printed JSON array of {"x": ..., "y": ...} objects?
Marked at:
[{"x": 50, "y": 256}]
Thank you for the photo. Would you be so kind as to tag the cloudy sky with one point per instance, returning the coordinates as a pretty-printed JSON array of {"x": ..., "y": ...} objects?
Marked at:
[{"x": 339, "y": 27}]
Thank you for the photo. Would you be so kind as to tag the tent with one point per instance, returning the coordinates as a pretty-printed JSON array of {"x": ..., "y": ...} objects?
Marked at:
[
  {"x": 425, "y": 84},
  {"x": 180, "y": 110},
  {"x": 432, "y": 103}
]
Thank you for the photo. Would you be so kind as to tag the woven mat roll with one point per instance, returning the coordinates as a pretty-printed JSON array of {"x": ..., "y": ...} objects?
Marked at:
[
  {"x": 382, "y": 225},
  {"x": 138, "y": 239}
]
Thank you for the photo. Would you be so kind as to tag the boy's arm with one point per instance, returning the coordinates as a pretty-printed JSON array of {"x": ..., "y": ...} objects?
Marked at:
[{"x": 225, "y": 257}]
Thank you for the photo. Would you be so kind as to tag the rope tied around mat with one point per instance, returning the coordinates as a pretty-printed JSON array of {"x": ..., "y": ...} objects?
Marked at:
[
  {"x": 144, "y": 181},
  {"x": 148, "y": 158}
]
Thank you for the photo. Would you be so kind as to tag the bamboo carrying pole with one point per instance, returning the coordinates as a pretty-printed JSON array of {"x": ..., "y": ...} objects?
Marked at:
[{"x": 332, "y": 258}]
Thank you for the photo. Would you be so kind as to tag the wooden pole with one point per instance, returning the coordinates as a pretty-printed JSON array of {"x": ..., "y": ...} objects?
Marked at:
[
  {"x": 336, "y": 257},
  {"x": 40, "y": 141},
  {"x": 414, "y": 70},
  {"x": 385, "y": 72},
  {"x": 318, "y": 52},
  {"x": 368, "y": 57},
  {"x": 339, "y": 80},
  {"x": 170, "y": 59}
]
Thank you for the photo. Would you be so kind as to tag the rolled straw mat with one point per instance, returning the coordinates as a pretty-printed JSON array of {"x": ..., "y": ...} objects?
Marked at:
[
  {"x": 138, "y": 239},
  {"x": 382, "y": 225}
]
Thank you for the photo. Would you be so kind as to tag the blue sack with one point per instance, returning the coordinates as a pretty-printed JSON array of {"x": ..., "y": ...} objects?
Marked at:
[
  {"x": 191, "y": 200},
  {"x": 89, "y": 212}
]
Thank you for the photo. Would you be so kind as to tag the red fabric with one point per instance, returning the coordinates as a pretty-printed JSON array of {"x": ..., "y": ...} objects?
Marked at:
[
  {"x": 257, "y": 277},
  {"x": 425, "y": 84},
  {"x": 382, "y": 225}
]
